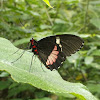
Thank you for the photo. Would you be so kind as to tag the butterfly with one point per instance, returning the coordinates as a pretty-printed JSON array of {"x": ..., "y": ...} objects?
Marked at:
[{"x": 53, "y": 50}]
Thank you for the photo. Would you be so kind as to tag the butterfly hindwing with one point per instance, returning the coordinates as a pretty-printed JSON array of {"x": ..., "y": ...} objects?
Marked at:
[{"x": 55, "y": 57}]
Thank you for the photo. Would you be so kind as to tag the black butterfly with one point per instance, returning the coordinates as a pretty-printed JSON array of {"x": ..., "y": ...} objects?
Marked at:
[{"x": 53, "y": 50}]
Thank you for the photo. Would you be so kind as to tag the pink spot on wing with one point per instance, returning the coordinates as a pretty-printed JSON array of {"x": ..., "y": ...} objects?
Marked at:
[
  {"x": 34, "y": 46},
  {"x": 47, "y": 63},
  {"x": 52, "y": 57},
  {"x": 55, "y": 48},
  {"x": 50, "y": 60},
  {"x": 55, "y": 52}
]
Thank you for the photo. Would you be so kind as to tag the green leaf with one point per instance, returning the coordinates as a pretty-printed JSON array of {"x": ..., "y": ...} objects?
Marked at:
[
  {"x": 44, "y": 26},
  {"x": 4, "y": 84},
  {"x": 73, "y": 1},
  {"x": 21, "y": 41},
  {"x": 18, "y": 88},
  {"x": 47, "y": 2},
  {"x": 46, "y": 80},
  {"x": 88, "y": 60},
  {"x": 4, "y": 74},
  {"x": 59, "y": 21},
  {"x": 94, "y": 87},
  {"x": 96, "y": 53},
  {"x": 43, "y": 99},
  {"x": 95, "y": 65},
  {"x": 95, "y": 22}
]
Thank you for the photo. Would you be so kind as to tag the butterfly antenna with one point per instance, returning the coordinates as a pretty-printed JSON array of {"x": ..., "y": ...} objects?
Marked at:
[
  {"x": 16, "y": 51},
  {"x": 12, "y": 54},
  {"x": 19, "y": 57},
  {"x": 31, "y": 63}
]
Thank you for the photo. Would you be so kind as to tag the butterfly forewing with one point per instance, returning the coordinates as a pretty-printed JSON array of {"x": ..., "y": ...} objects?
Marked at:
[{"x": 71, "y": 44}]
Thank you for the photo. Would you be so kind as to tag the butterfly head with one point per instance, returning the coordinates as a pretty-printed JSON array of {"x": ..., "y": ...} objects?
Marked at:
[{"x": 32, "y": 41}]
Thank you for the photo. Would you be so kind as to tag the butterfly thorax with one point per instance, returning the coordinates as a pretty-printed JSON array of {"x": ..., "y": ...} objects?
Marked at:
[{"x": 33, "y": 46}]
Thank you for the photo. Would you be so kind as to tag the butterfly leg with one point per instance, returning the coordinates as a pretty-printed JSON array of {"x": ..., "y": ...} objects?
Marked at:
[
  {"x": 12, "y": 54},
  {"x": 31, "y": 63}
]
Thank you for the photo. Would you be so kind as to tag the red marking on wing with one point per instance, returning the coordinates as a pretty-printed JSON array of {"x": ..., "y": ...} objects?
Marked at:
[
  {"x": 35, "y": 50},
  {"x": 34, "y": 46},
  {"x": 52, "y": 57}
]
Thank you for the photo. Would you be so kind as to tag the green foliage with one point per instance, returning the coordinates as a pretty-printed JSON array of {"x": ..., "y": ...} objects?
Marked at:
[{"x": 21, "y": 20}]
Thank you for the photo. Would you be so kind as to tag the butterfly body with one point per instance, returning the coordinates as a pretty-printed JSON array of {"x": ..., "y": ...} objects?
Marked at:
[
  {"x": 33, "y": 46},
  {"x": 53, "y": 50}
]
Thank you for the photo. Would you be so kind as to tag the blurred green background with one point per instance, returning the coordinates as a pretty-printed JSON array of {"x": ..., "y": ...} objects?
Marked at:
[{"x": 21, "y": 20}]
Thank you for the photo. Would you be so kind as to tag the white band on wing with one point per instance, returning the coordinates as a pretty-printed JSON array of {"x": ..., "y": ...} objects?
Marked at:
[{"x": 58, "y": 42}]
